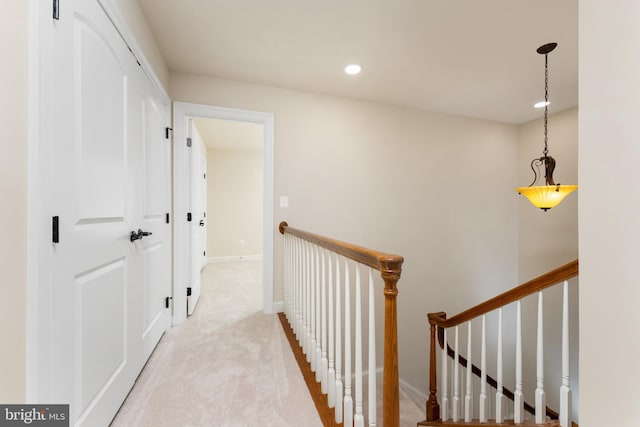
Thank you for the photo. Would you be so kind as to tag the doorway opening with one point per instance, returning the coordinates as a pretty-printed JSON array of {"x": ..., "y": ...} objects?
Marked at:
[
  {"x": 237, "y": 219},
  {"x": 228, "y": 176}
]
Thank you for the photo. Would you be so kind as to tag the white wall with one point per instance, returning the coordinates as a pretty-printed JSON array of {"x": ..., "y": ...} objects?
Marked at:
[
  {"x": 427, "y": 186},
  {"x": 609, "y": 212},
  {"x": 234, "y": 202},
  {"x": 13, "y": 188}
]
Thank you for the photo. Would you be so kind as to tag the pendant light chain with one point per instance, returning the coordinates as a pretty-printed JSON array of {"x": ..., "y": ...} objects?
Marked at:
[{"x": 546, "y": 102}]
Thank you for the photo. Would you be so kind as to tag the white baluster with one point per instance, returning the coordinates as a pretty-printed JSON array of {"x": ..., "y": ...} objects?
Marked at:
[
  {"x": 500, "y": 397},
  {"x": 338, "y": 384},
  {"x": 348, "y": 400},
  {"x": 331, "y": 373},
  {"x": 294, "y": 287},
  {"x": 518, "y": 402},
  {"x": 324, "y": 361},
  {"x": 565, "y": 388},
  {"x": 372, "y": 352},
  {"x": 303, "y": 293},
  {"x": 303, "y": 296},
  {"x": 318, "y": 355},
  {"x": 312, "y": 310},
  {"x": 468, "y": 399},
  {"x": 298, "y": 290},
  {"x": 289, "y": 286},
  {"x": 444, "y": 409},
  {"x": 287, "y": 266},
  {"x": 455, "y": 403},
  {"x": 290, "y": 276},
  {"x": 483, "y": 401},
  {"x": 358, "y": 418},
  {"x": 541, "y": 401}
]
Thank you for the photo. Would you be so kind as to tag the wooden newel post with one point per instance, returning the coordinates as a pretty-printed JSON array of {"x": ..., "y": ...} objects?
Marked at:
[
  {"x": 390, "y": 271},
  {"x": 433, "y": 407}
]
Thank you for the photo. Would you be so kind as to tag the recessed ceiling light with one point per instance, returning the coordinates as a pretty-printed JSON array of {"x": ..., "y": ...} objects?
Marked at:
[
  {"x": 541, "y": 104},
  {"x": 353, "y": 69}
]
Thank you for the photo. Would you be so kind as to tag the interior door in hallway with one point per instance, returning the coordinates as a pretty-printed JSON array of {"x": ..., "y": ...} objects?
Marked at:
[
  {"x": 197, "y": 199},
  {"x": 105, "y": 307},
  {"x": 155, "y": 205},
  {"x": 203, "y": 200}
]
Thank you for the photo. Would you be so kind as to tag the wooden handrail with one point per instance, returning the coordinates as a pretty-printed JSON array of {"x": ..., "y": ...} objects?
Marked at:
[
  {"x": 551, "y": 278},
  {"x": 438, "y": 322},
  {"x": 390, "y": 267},
  {"x": 374, "y": 259}
]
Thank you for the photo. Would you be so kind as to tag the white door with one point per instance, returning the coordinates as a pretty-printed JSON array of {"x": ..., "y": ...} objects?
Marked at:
[
  {"x": 102, "y": 148},
  {"x": 197, "y": 223},
  {"x": 203, "y": 199},
  {"x": 155, "y": 200}
]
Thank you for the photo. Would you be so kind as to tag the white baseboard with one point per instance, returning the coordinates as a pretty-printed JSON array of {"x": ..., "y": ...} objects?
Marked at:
[
  {"x": 278, "y": 306},
  {"x": 214, "y": 259}
]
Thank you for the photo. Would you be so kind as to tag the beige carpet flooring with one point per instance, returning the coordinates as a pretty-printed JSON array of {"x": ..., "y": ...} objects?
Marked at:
[{"x": 227, "y": 365}]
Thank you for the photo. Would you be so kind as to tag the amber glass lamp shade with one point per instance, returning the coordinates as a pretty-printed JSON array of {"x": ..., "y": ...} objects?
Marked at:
[{"x": 546, "y": 197}]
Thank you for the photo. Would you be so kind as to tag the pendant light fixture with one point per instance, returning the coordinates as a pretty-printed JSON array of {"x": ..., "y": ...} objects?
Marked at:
[{"x": 550, "y": 194}]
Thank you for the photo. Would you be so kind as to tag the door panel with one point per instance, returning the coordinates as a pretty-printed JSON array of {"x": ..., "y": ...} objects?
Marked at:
[
  {"x": 152, "y": 297},
  {"x": 154, "y": 160},
  {"x": 100, "y": 309},
  {"x": 100, "y": 118}
]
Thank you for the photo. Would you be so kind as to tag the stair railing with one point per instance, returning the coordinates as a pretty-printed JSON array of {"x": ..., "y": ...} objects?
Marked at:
[
  {"x": 317, "y": 297},
  {"x": 439, "y": 324}
]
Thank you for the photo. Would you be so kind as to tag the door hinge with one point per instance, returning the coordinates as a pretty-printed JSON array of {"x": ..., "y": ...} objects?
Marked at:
[
  {"x": 167, "y": 218},
  {"x": 189, "y": 216},
  {"x": 189, "y": 142},
  {"x": 55, "y": 230},
  {"x": 205, "y": 214},
  {"x": 205, "y": 176},
  {"x": 56, "y": 10},
  {"x": 204, "y": 253},
  {"x": 166, "y": 301},
  {"x": 166, "y": 132},
  {"x": 189, "y": 291}
]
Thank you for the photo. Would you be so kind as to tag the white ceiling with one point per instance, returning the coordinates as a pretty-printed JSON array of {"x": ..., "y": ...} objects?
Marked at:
[
  {"x": 232, "y": 135},
  {"x": 474, "y": 58}
]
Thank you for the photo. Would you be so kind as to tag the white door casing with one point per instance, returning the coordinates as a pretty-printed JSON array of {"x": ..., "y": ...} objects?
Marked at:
[
  {"x": 110, "y": 175},
  {"x": 182, "y": 112}
]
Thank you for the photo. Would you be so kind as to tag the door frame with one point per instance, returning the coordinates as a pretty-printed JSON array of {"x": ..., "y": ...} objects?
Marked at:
[
  {"x": 181, "y": 112},
  {"x": 39, "y": 203}
]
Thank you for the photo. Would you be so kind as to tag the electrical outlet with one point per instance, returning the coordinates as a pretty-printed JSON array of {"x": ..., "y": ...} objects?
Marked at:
[{"x": 242, "y": 243}]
